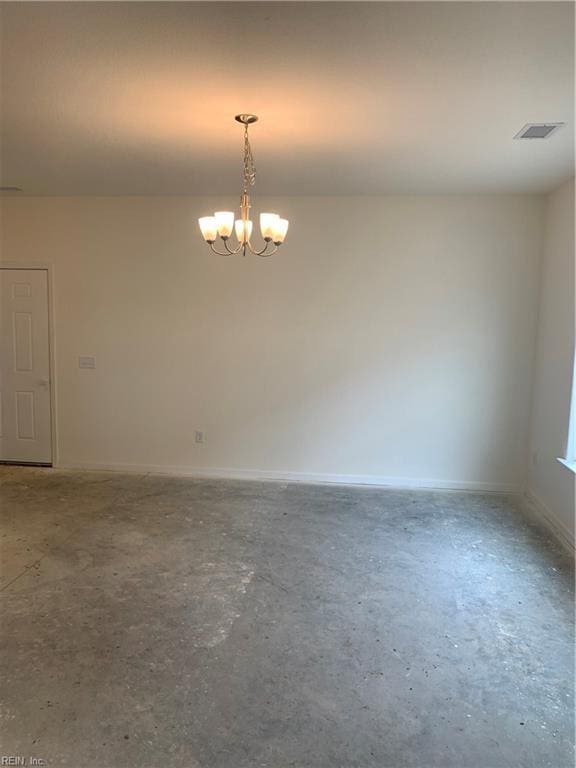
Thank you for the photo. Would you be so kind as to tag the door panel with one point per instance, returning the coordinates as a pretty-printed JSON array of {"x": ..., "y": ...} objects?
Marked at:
[
  {"x": 22, "y": 341},
  {"x": 25, "y": 429}
]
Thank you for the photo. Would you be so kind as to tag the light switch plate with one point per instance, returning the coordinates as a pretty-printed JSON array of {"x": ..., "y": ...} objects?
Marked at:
[{"x": 86, "y": 361}]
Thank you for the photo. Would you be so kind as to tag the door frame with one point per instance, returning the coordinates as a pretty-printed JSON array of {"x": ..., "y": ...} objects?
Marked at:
[{"x": 49, "y": 269}]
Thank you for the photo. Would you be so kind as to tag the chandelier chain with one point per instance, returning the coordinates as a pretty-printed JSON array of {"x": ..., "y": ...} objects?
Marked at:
[{"x": 249, "y": 166}]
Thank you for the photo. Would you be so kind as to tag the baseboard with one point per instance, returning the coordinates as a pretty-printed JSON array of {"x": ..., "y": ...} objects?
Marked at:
[
  {"x": 298, "y": 477},
  {"x": 538, "y": 511}
]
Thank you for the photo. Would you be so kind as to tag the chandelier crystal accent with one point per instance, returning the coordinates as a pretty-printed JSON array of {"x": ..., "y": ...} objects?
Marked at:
[{"x": 272, "y": 228}]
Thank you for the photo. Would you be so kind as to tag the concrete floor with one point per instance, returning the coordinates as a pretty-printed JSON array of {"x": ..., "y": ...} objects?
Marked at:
[{"x": 151, "y": 621}]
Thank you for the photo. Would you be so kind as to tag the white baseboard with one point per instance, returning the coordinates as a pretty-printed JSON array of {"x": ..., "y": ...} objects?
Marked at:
[
  {"x": 537, "y": 510},
  {"x": 297, "y": 477}
]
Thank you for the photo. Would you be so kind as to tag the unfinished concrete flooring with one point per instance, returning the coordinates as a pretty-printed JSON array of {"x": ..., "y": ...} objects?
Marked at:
[{"x": 152, "y": 621}]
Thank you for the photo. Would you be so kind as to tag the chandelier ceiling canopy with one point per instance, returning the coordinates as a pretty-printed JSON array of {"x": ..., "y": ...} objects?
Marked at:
[{"x": 272, "y": 228}]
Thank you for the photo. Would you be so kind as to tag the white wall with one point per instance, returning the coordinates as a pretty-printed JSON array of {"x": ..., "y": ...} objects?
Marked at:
[
  {"x": 391, "y": 338},
  {"x": 551, "y": 483}
]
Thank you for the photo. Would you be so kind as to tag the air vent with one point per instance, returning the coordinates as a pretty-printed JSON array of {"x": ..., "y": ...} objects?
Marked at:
[
  {"x": 538, "y": 130},
  {"x": 10, "y": 189}
]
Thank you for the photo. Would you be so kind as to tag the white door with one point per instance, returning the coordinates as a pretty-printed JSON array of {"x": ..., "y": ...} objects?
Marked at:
[{"x": 25, "y": 432}]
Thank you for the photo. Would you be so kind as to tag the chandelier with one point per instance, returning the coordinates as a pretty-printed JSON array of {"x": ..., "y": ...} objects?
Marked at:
[{"x": 272, "y": 227}]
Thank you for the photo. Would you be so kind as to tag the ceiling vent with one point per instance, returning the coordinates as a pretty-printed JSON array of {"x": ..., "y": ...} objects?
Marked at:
[{"x": 538, "y": 130}]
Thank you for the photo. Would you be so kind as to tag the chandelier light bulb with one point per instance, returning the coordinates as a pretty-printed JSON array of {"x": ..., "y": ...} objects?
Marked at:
[
  {"x": 280, "y": 230},
  {"x": 268, "y": 224},
  {"x": 272, "y": 227},
  {"x": 243, "y": 230},
  {"x": 209, "y": 228},
  {"x": 224, "y": 222}
]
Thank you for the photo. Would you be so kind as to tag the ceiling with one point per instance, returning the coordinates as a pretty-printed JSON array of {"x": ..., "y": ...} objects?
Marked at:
[{"x": 354, "y": 98}]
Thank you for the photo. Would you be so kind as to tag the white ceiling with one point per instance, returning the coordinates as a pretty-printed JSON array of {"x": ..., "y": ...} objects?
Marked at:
[{"x": 353, "y": 98}]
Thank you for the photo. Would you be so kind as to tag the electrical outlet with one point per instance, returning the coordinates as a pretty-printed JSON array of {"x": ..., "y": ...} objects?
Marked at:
[{"x": 200, "y": 436}]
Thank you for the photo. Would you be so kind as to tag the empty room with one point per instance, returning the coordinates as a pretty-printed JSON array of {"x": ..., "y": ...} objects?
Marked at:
[{"x": 287, "y": 425}]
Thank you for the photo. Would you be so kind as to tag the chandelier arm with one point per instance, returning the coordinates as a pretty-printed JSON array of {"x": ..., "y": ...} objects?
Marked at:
[
  {"x": 226, "y": 253},
  {"x": 271, "y": 253},
  {"x": 263, "y": 253},
  {"x": 232, "y": 251},
  {"x": 258, "y": 253}
]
